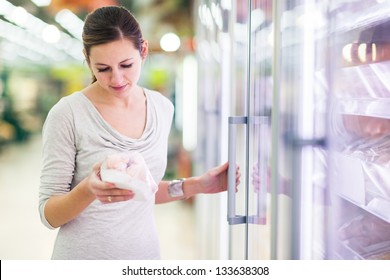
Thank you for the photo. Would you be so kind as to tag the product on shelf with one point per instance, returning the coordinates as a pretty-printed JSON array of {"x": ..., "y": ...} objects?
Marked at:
[
  {"x": 366, "y": 126},
  {"x": 367, "y": 235}
]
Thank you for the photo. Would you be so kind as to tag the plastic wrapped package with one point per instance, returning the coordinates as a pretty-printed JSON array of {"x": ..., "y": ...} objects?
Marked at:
[
  {"x": 382, "y": 84},
  {"x": 375, "y": 154},
  {"x": 374, "y": 157},
  {"x": 365, "y": 81},
  {"x": 358, "y": 82},
  {"x": 365, "y": 126},
  {"x": 378, "y": 188},
  {"x": 375, "y": 150},
  {"x": 381, "y": 207},
  {"x": 367, "y": 235},
  {"x": 350, "y": 130},
  {"x": 128, "y": 170},
  {"x": 378, "y": 180}
]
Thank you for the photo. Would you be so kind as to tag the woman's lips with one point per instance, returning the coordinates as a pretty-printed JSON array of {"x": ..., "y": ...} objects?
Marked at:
[{"x": 118, "y": 88}]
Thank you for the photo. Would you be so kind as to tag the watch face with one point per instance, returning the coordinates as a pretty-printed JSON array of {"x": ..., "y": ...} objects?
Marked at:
[{"x": 175, "y": 188}]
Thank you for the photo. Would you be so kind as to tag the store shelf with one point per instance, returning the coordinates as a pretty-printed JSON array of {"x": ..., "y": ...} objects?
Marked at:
[
  {"x": 364, "y": 184},
  {"x": 364, "y": 236},
  {"x": 378, "y": 107},
  {"x": 366, "y": 81}
]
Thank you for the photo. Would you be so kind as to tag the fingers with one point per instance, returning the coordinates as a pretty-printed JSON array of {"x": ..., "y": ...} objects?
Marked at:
[
  {"x": 96, "y": 168},
  {"x": 221, "y": 168},
  {"x": 107, "y": 192},
  {"x": 238, "y": 175},
  {"x": 115, "y": 192},
  {"x": 115, "y": 195}
]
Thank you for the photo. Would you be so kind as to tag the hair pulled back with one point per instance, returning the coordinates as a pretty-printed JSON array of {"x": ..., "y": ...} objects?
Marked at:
[{"x": 108, "y": 24}]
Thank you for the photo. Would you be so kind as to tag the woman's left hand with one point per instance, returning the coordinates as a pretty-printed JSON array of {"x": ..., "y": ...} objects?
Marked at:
[{"x": 215, "y": 180}]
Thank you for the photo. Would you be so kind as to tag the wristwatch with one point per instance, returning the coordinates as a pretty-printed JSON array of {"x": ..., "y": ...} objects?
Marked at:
[{"x": 175, "y": 188}]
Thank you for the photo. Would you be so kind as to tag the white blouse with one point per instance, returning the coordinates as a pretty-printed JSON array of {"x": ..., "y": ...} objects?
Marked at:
[{"x": 75, "y": 137}]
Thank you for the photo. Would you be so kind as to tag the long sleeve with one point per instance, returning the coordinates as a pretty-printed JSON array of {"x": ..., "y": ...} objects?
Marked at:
[{"x": 58, "y": 155}]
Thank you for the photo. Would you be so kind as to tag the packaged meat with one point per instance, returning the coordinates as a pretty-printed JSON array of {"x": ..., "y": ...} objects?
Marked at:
[
  {"x": 367, "y": 235},
  {"x": 128, "y": 170}
]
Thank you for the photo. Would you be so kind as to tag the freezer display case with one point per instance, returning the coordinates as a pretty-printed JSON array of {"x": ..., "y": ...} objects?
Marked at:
[
  {"x": 296, "y": 93},
  {"x": 359, "y": 126}
]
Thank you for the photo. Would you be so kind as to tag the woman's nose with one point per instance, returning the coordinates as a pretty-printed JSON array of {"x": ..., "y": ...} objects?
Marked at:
[{"x": 116, "y": 77}]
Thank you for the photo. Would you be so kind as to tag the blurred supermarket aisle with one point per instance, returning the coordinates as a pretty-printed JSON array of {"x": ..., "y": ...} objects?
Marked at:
[{"x": 23, "y": 237}]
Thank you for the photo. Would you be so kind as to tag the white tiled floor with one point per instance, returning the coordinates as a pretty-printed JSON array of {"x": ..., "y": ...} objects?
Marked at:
[{"x": 23, "y": 237}]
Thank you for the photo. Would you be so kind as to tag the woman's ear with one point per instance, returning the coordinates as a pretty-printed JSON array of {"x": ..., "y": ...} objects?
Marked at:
[{"x": 144, "y": 49}]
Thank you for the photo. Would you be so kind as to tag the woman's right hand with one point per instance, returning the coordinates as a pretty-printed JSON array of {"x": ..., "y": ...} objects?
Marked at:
[
  {"x": 60, "y": 209},
  {"x": 106, "y": 192}
]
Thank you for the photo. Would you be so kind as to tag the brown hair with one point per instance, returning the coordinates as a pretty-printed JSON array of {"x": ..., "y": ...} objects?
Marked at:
[{"x": 108, "y": 24}]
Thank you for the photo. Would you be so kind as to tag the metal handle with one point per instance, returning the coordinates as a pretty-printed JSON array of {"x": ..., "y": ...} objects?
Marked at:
[
  {"x": 261, "y": 127},
  {"x": 232, "y": 218}
]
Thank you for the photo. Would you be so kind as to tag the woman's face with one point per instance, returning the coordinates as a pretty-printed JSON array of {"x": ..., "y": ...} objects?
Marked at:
[{"x": 117, "y": 65}]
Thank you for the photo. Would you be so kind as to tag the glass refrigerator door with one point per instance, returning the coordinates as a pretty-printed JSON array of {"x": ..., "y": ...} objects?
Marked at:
[
  {"x": 286, "y": 127},
  {"x": 222, "y": 54},
  {"x": 214, "y": 76},
  {"x": 237, "y": 130},
  {"x": 250, "y": 131},
  {"x": 299, "y": 130},
  {"x": 235, "y": 40},
  {"x": 259, "y": 103},
  {"x": 359, "y": 129}
]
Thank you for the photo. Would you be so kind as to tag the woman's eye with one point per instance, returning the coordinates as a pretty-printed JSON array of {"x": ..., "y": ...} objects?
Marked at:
[
  {"x": 127, "y": 65},
  {"x": 102, "y": 69}
]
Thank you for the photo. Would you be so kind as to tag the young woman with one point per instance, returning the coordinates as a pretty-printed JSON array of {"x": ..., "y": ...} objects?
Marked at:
[{"x": 113, "y": 114}]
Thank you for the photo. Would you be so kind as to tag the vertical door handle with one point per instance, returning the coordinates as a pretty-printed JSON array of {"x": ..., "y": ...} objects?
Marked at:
[
  {"x": 261, "y": 123},
  {"x": 232, "y": 218}
]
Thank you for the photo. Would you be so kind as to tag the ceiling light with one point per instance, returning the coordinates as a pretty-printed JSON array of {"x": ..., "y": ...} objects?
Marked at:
[
  {"x": 41, "y": 3},
  {"x": 19, "y": 16},
  {"x": 51, "y": 34},
  {"x": 70, "y": 22},
  {"x": 170, "y": 42}
]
